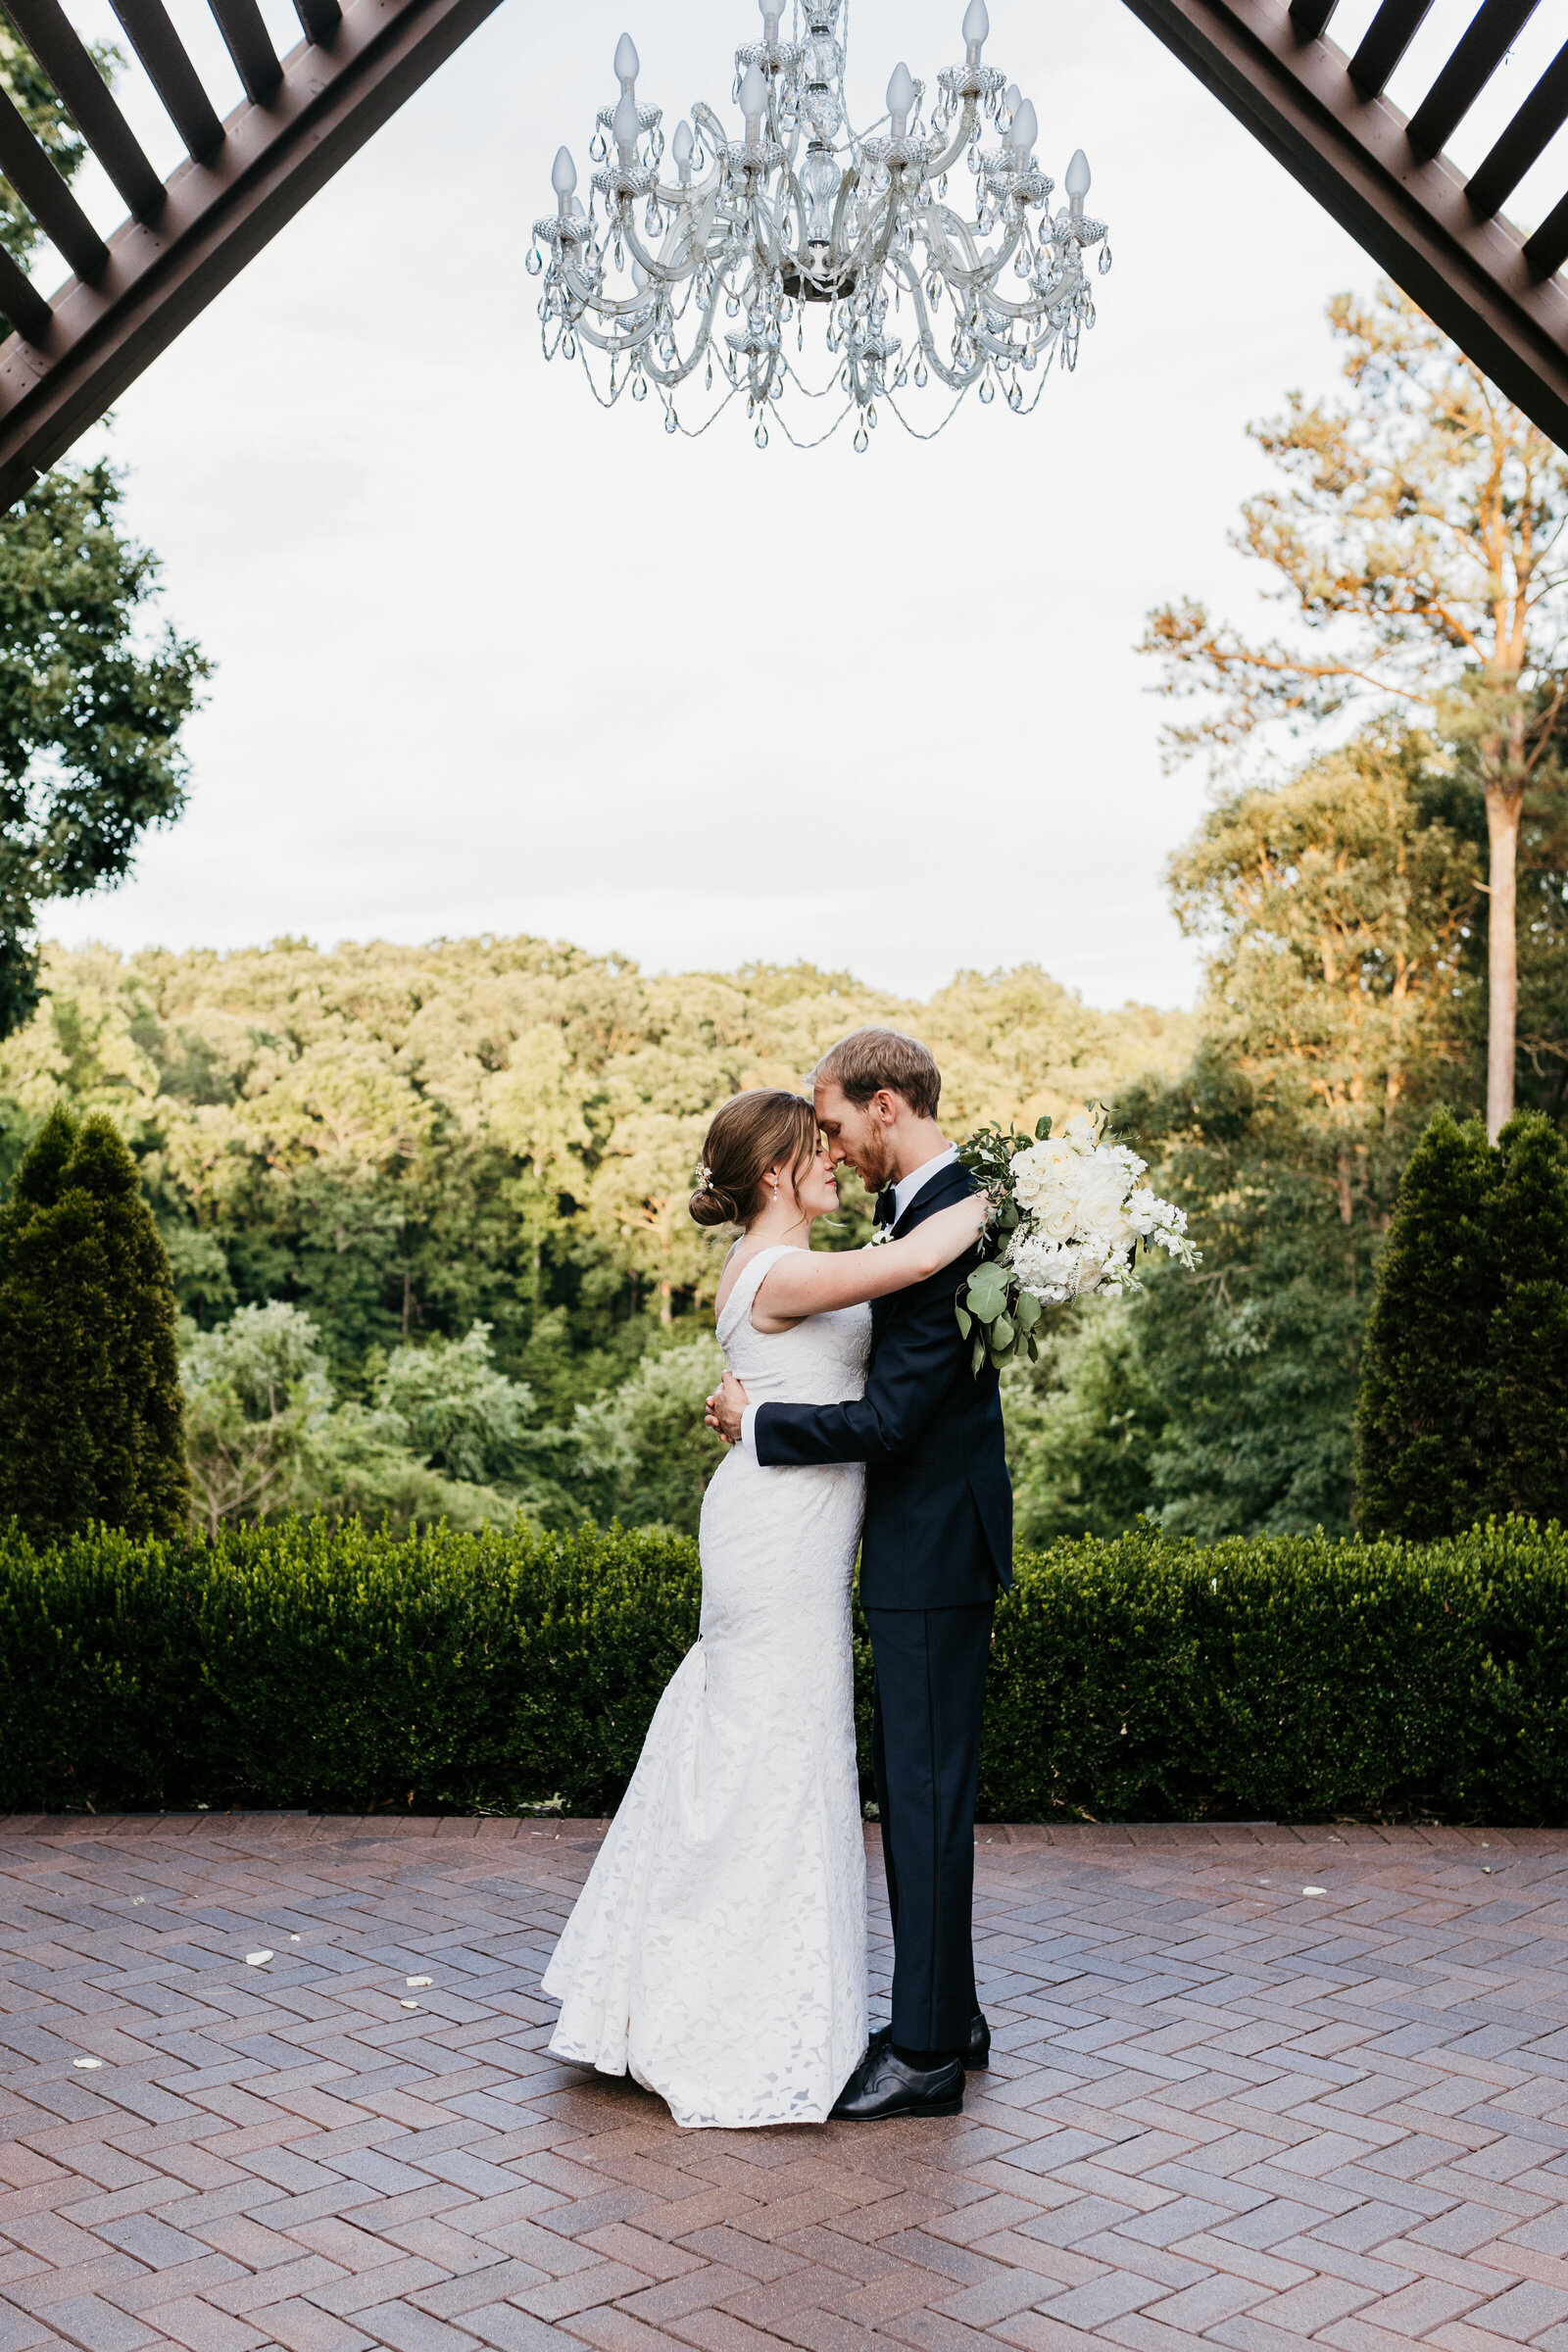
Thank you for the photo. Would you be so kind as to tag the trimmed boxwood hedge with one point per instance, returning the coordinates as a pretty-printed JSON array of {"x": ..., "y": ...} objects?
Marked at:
[{"x": 1144, "y": 1678}]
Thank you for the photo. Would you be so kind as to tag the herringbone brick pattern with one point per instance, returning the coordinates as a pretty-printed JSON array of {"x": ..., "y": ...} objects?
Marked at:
[{"x": 1222, "y": 2110}]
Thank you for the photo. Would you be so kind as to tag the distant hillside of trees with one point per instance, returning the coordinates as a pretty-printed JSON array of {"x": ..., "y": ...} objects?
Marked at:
[{"x": 401, "y": 1142}]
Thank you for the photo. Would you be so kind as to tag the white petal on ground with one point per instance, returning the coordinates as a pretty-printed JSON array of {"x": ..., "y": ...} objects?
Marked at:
[
  {"x": 257, "y": 1959},
  {"x": 1314, "y": 1890},
  {"x": 419, "y": 1981},
  {"x": 410, "y": 2004},
  {"x": 86, "y": 2062}
]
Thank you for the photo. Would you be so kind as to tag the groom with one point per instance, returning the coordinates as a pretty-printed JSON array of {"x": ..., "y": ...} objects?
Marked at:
[{"x": 937, "y": 1543}]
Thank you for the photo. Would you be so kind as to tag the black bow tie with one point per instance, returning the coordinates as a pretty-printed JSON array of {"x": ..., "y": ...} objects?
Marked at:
[{"x": 887, "y": 1207}]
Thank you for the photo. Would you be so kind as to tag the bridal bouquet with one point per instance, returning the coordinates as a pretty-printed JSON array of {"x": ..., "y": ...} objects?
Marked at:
[{"x": 1068, "y": 1214}]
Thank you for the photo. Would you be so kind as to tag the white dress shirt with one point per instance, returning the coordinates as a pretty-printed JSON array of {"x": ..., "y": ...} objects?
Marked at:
[{"x": 904, "y": 1193}]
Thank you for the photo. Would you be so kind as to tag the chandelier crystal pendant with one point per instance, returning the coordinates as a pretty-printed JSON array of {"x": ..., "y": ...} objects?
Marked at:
[{"x": 801, "y": 209}]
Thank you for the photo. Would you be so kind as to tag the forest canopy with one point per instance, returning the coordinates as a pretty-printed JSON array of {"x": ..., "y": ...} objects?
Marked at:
[{"x": 403, "y": 1141}]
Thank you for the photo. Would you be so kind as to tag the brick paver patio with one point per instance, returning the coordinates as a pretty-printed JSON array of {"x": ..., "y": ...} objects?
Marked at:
[{"x": 1223, "y": 2109}]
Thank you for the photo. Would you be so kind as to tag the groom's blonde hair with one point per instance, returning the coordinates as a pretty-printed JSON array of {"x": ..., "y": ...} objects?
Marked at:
[{"x": 866, "y": 1061}]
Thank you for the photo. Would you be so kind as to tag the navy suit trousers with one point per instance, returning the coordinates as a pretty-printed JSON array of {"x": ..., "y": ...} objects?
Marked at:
[{"x": 929, "y": 1691}]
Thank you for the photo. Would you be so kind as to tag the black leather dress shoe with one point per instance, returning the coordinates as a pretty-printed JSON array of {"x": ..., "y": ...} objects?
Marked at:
[
  {"x": 976, "y": 2050},
  {"x": 882, "y": 2085}
]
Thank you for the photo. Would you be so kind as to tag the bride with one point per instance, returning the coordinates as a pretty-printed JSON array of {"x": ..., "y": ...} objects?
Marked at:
[{"x": 718, "y": 1951}]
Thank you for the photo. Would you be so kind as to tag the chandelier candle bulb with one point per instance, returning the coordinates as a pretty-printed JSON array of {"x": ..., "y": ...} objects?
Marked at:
[
  {"x": 803, "y": 214},
  {"x": 1079, "y": 182},
  {"x": 625, "y": 129}
]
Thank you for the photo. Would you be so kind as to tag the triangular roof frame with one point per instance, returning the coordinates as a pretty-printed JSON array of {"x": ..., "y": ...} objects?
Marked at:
[{"x": 1438, "y": 233}]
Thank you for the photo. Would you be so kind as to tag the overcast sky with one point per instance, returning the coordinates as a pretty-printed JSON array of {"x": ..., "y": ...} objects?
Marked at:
[{"x": 490, "y": 659}]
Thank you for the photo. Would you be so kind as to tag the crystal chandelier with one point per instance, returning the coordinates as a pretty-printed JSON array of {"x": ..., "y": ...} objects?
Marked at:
[{"x": 800, "y": 208}]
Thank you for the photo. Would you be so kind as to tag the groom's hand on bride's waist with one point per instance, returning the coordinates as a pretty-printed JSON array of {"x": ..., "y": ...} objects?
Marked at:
[{"x": 726, "y": 1408}]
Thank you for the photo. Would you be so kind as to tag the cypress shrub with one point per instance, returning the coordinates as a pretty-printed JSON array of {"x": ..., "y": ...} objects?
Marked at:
[
  {"x": 91, "y": 1416},
  {"x": 1463, "y": 1405},
  {"x": 315, "y": 1666},
  {"x": 1527, "y": 1343},
  {"x": 1420, "y": 1445}
]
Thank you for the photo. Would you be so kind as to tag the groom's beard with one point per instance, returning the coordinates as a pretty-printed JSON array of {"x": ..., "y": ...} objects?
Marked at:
[{"x": 873, "y": 1164}]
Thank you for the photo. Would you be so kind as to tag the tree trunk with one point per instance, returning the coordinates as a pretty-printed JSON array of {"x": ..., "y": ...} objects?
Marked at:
[
  {"x": 666, "y": 1303},
  {"x": 1503, "y": 806}
]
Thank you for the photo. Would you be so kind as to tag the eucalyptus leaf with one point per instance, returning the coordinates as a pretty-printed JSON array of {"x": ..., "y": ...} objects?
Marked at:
[
  {"x": 965, "y": 1322},
  {"x": 1003, "y": 1331},
  {"x": 1026, "y": 1311},
  {"x": 1043, "y": 1129},
  {"x": 988, "y": 1292},
  {"x": 979, "y": 1356}
]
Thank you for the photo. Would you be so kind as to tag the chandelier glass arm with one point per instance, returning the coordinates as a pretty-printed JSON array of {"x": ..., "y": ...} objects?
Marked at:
[
  {"x": 960, "y": 140},
  {"x": 615, "y": 345},
  {"x": 669, "y": 377},
  {"x": 667, "y": 274},
  {"x": 957, "y": 379}
]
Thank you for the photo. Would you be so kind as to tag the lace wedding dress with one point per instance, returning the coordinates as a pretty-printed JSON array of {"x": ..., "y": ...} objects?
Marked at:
[{"x": 718, "y": 1951}]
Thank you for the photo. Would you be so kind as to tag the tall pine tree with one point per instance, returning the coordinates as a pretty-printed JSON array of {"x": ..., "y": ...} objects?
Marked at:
[{"x": 91, "y": 1416}]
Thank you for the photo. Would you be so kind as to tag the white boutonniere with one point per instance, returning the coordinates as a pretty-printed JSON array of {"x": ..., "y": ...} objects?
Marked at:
[{"x": 883, "y": 1232}]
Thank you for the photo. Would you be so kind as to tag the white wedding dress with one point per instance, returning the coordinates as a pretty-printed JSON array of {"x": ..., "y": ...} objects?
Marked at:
[{"x": 718, "y": 1951}]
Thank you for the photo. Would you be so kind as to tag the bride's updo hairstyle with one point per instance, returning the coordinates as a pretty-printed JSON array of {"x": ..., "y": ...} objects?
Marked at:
[{"x": 753, "y": 1133}]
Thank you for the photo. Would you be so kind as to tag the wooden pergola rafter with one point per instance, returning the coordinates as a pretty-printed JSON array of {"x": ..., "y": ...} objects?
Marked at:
[
  {"x": 301, "y": 117},
  {"x": 1438, "y": 232}
]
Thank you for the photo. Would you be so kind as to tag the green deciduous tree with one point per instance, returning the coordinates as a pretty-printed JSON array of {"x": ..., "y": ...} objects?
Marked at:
[
  {"x": 1463, "y": 1408},
  {"x": 90, "y": 1417},
  {"x": 643, "y": 1452},
  {"x": 1419, "y": 538},
  {"x": 443, "y": 1435},
  {"x": 1333, "y": 910}
]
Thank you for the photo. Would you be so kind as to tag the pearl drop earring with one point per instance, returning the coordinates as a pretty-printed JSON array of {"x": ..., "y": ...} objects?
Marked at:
[{"x": 773, "y": 1180}]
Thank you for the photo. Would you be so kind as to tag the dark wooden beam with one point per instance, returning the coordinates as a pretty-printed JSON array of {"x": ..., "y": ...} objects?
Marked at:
[
  {"x": 249, "y": 45},
  {"x": 44, "y": 26},
  {"x": 46, "y": 195},
  {"x": 1412, "y": 217},
  {"x": 1547, "y": 249},
  {"x": 1524, "y": 141},
  {"x": 1388, "y": 37},
  {"x": 22, "y": 303},
  {"x": 71, "y": 360},
  {"x": 173, "y": 76},
  {"x": 1492, "y": 32}
]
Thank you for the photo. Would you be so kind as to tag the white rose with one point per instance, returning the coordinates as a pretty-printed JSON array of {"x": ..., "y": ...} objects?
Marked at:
[
  {"x": 1057, "y": 1219},
  {"x": 1101, "y": 1190}
]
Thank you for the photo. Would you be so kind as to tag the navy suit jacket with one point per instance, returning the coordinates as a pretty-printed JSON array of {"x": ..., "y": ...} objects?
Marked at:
[{"x": 938, "y": 1499}]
